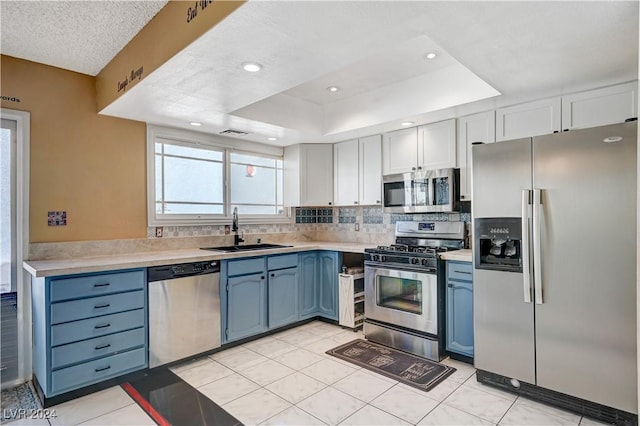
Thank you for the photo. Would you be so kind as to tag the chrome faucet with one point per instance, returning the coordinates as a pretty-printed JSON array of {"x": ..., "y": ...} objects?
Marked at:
[{"x": 234, "y": 227}]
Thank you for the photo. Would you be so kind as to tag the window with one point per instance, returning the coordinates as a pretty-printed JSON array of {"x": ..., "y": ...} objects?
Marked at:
[
  {"x": 199, "y": 179},
  {"x": 256, "y": 184},
  {"x": 188, "y": 180}
]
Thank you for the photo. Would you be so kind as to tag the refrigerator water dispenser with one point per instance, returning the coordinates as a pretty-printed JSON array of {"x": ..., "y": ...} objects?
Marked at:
[{"x": 498, "y": 244}]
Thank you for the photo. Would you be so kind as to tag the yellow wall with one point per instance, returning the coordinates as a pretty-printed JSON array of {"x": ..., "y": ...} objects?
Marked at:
[{"x": 91, "y": 166}]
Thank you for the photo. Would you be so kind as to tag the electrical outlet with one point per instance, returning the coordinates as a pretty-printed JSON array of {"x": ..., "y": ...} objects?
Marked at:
[
  {"x": 227, "y": 230},
  {"x": 158, "y": 231},
  {"x": 357, "y": 227}
]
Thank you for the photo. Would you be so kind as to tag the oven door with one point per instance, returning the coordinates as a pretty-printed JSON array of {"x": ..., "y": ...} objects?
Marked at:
[{"x": 403, "y": 297}]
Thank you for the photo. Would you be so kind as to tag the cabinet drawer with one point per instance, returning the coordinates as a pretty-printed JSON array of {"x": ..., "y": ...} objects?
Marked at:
[
  {"x": 96, "y": 285},
  {"x": 74, "y": 353},
  {"x": 460, "y": 271},
  {"x": 245, "y": 266},
  {"x": 96, "y": 371},
  {"x": 94, "y": 327},
  {"x": 95, "y": 306},
  {"x": 281, "y": 262}
]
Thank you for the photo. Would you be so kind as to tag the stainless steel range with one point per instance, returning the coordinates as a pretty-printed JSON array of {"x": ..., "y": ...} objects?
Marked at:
[{"x": 404, "y": 300}]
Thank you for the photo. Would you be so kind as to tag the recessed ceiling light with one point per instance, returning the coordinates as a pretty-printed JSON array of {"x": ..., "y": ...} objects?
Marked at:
[
  {"x": 407, "y": 123},
  {"x": 251, "y": 66},
  {"x": 431, "y": 55},
  {"x": 195, "y": 123},
  {"x": 611, "y": 139},
  {"x": 272, "y": 139},
  {"x": 333, "y": 88}
]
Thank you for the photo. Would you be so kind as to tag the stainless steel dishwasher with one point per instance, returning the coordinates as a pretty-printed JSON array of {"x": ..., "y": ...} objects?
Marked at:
[{"x": 184, "y": 310}]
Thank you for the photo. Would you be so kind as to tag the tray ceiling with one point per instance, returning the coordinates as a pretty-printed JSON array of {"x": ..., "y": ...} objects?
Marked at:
[{"x": 373, "y": 51}]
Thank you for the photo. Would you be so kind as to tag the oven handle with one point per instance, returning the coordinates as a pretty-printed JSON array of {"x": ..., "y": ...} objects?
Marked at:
[{"x": 430, "y": 271}]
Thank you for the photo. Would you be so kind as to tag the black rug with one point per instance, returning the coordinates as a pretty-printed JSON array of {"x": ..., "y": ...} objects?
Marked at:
[{"x": 406, "y": 368}]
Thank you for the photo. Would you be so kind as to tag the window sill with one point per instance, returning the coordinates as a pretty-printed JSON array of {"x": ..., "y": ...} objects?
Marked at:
[{"x": 221, "y": 221}]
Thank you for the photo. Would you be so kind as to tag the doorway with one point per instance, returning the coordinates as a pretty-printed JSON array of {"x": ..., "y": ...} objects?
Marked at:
[{"x": 15, "y": 294}]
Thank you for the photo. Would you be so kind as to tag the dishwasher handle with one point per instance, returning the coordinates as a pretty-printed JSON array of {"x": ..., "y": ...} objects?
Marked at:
[{"x": 182, "y": 270}]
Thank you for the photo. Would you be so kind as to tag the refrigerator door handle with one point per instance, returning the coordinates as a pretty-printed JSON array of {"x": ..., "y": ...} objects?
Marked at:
[
  {"x": 537, "y": 254},
  {"x": 526, "y": 271}
]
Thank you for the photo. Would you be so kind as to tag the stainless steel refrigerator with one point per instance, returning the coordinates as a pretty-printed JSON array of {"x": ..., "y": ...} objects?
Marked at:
[{"x": 555, "y": 268}]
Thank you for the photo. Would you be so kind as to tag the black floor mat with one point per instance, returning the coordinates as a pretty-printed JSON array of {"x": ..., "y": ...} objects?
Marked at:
[
  {"x": 169, "y": 400},
  {"x": 401, "y": 366}
]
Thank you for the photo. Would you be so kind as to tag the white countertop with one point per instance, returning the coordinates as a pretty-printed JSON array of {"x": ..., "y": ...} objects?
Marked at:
[
  {"x": 464, "y": 255},
  {"x": 47, "y": 268}
]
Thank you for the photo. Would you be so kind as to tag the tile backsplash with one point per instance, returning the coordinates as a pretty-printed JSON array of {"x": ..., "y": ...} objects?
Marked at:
[
  {"x": 323, "y": 223},
  {"x": 309, "y": 224}
]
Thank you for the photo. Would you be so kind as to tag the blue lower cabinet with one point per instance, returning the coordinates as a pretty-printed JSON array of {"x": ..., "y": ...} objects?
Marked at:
[
  {"x": 88, "y": 328},
  {"x": 308, "y": 288},
  {"x": 98, "y": 370},
  {"x": 268, "y": 292},
  {"x": 283, "y": 297},
  {"x": 459, "y": 332},
  {"x": 246, "y": 306},
  {"x": 327, "y": 275},
  {"x": 259, "y": 294}
]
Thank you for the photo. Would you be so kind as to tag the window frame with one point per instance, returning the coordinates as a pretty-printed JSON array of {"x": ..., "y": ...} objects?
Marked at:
[{"x": 159, "y": 134}]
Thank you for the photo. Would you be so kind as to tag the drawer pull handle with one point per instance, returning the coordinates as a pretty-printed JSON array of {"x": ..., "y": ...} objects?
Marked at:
[
  {"x": 463, "y": 272},
  {"x": 101, "y": 284},
  {"x": 103, "y": 346},
  {"x": 103, "y": 369},
  {"x": 104, "y": 305},
  {"x": 103, "y": 326},
  {"x": 273, "y": 275}
]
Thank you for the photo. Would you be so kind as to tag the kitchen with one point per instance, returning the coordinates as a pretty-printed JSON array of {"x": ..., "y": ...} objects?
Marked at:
[{"x": 71, "y": 164}]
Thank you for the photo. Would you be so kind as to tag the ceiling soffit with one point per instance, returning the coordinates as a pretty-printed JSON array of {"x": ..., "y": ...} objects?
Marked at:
[{"x": 524, "y": 50}]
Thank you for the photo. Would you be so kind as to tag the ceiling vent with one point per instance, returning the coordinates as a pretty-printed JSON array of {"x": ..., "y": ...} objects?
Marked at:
[{"x": 233, "y": 132}]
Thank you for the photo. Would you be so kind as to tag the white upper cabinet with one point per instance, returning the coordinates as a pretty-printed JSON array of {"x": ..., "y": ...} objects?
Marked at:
[
  {"x": 308, "y": 175},
  {"x": 345, "y": 169},
  {"x": 600, "y": 107},
  {"x": 431, "y": 146},
  {"x": 357, "y": 171},
  {"x": 399, "y": 151},
  {"x": 472, "y": 128},
  {"x": 530, "y": 119},
  {"x": 437, "y": 145},
  {"x": 370, "y": 172}
]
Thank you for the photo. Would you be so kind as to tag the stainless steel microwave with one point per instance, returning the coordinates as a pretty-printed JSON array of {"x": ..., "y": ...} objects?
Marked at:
[{"x": 424, "y": 191}]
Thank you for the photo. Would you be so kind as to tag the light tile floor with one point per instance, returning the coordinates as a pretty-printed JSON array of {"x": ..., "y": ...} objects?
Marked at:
[{"x": 287, "y": 379}]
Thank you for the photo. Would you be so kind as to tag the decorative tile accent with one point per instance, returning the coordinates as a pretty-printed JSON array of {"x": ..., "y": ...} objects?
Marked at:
[
  {"x": 436, "y": 217},
  {"x": 325, "y": 215},
  {"x": 314, "y": 215},
  {"x": 372, "y": 215},
  {"x": 347, "y": 215},
  {"x": 346, "y": 219},
  {"x": 57, "y": 218},
  {"x": 305, "y": 215},
  {"x": 398, "y": 217},
  {"x": 465, "y": 217}
]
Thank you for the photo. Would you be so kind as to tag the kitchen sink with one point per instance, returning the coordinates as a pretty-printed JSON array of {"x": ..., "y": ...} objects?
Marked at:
[{"x": 245, "y": 247}]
